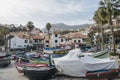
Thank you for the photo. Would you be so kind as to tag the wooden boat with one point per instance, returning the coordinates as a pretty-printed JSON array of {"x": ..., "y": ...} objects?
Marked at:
[
  {"x": 39, "y": 73},
  {"x": 51, "y": 50},
  {"x": 20, "y": 63},
  {"x": 102, "y": 74},
  {"x": 19, "y": 66},
  {"x": 76, "y": 65},
  {"x": 59, "y": 52}
]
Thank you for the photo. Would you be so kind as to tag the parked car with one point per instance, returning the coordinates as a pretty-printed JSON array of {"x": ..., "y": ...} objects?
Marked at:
[{"x": 4, "y": 59}]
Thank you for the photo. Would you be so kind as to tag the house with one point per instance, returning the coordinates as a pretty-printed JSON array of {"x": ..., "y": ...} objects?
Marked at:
[
  {"x": 47, "y": 40},
  {"x": 26, "y": 39},
  {"x": 55, "y": 38},
  {"x": 68, "y": 39},
  {"x": 18, "y": 43},
  {"x": 38, "y": 42},
  {"x": 36, "y": 31}
]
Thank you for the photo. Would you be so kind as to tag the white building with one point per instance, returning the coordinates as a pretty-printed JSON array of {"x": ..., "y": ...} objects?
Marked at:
[
  {"x": 71, "y": 38},
  {"x": 18, "y": 43},
  {"x": 55, "y": 39}
]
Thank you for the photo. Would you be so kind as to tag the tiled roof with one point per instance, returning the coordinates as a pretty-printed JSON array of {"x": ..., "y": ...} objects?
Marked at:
[
  {"x": 27, "y": 36},
  {"x": 56, "y": 32},
  {"x": 74, "y": 35},
  {"x": 37, "y": 37}
]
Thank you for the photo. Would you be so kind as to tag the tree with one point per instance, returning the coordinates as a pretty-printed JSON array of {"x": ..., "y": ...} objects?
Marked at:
[
  {"x": 30, "y": 26},
  {"x": 48, "y": 26},
  {"x": 100, "y": 17},
  {"x": 112, "y": 9},
  {"x": 90, "y": 35},
  {"x": 3, "y": 35}
]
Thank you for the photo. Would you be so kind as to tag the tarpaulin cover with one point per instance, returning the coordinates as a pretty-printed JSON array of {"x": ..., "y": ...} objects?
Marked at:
[{"x": 74, "y": 65}]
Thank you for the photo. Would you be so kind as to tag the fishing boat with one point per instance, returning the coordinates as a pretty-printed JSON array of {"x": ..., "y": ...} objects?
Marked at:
[
  {"x": 102, "y": 74},
  {"x": 59, "y": 52},
  {"x": 76, "y": 65},
  {"x": 4, "y": 59},
  {"x": 39, "y": 73},
  {"x": 101, "y": 54},
  {"x": 51, "y": 50},
  {"x": 20, "y": 65}
]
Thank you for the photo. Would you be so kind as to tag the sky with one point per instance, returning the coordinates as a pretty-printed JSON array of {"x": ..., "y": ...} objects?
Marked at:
[{"x": 40, "y": 12}]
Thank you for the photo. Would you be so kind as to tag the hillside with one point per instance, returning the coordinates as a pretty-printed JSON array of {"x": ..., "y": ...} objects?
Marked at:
[{"x": 63, "y": 27}]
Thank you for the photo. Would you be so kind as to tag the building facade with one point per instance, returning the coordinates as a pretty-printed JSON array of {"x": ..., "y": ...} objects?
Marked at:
[{"x": 18, "y": 43}]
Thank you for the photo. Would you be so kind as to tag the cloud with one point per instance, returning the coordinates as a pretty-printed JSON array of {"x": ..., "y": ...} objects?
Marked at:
[{"x": 43, "y": 11}]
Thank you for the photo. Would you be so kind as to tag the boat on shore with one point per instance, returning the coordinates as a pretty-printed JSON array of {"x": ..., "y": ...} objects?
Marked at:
[
  {"x": 102, "y": 74},
  {"x": 53, "y": 50},
  {"x": 39, "y": 73},
  {"x": 101, "y": 54},
  {"x": 76, "y": 65},
  {"x": 60, "y": 52},
  {"x": 19, "y": 67},
  {"x": 38, "y": 67}
]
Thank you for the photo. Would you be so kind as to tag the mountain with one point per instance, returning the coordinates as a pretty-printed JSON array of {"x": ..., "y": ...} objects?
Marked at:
[{"x": 63, "y": 27}]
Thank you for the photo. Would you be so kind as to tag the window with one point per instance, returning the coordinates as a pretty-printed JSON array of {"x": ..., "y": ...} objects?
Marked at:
[
  {"x": 19, "y": 46},
  {"x": 26, "y": 41},
  {"x": 30, "y": 41},
  {"x": 56, "y": 41},
  {"x": 47, "y": 41},
  {"x": 79, "y": 41},
  {"x": 61, "y": 40},
  {"x": 74, "y": 41},
  {"x": 25, "y": 45},
  {"x": 35, "y": 41},
  {"x": 40, "y": 40},
  {"x": 56, "y": 35},
  {"x": 47, "y": 45}
]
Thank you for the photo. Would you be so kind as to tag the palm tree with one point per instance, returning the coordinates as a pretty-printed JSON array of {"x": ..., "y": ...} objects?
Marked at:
[
  {"x": 48, "y": 26},
  {"x": 100, "y": 18},
  {"x": 90, "y": 35},
  {"x": 30, "y": 25},
  {"x": 111, "y": 8}
]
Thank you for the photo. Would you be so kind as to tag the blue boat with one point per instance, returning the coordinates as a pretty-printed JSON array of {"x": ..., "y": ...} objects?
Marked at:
[{"x": 51, "y": 50}]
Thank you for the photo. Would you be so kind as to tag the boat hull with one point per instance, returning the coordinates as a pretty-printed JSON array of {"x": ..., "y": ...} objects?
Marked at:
[
  {"x": 41, "y": 73},
  {"x": 19, "y": 67},
  {"x": 59, "y": 52},
  {"x": 103, "y": 74}
]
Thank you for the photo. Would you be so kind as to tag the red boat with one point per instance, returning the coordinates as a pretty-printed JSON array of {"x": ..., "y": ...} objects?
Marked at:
[
  {"x": 19, "y": 66},
  {"x": 102, "y": 74}
]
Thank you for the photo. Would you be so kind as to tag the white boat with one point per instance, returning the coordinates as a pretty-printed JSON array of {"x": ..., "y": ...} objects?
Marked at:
[
  {"x": 100, "y": 54},
  {"x": 48, "y": 50},
  {"x": 74, "y": 65},
  {"x": 51, "y": 50}
]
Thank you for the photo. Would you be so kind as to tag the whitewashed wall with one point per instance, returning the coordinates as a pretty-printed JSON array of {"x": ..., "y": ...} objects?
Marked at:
[
  {"x": 55, "y": 38},
  {"x": 17, "y": 42}
]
